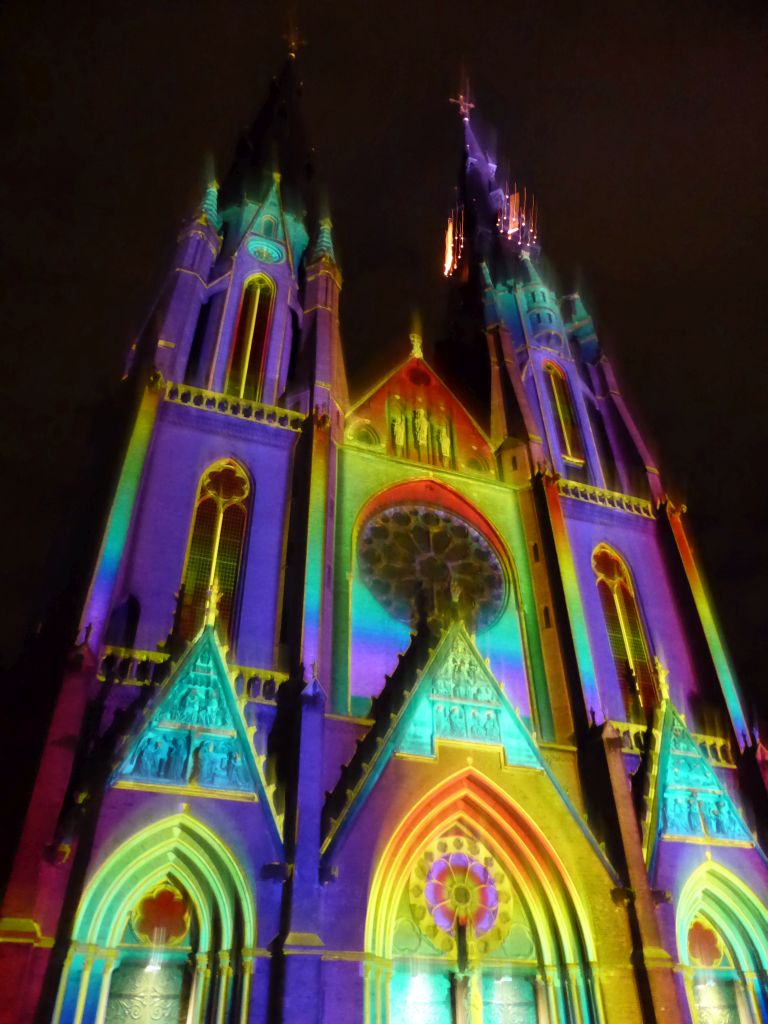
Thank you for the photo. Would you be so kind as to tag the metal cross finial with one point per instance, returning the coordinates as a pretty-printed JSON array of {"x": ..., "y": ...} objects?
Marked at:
[
  {"x": 294, "y": 41},
  {"x": 464, "y": 102}
]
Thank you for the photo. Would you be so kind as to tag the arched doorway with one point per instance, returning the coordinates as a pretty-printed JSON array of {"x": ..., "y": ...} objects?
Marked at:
[
  {"x": 722, "y": 936},
  {"x": 472, "y": 919},
  {"x": 165, "y": 931}
]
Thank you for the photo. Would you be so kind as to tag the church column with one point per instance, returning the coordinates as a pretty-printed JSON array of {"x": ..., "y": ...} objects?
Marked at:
[
  {"x": 85, "y": 980},
  {"x": 110, "y": 963},
  {"x": 245, "y": 988},
  {"x": 199, "y": 997},
  {"x": 222, "y": 988},
  {"x": 649, "y": 954}
]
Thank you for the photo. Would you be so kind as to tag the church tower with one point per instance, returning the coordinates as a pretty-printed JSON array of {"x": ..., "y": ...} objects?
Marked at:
[{"x": 404, "y": 706}]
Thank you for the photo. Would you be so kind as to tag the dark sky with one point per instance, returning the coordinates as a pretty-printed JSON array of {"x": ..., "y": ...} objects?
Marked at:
[{"x": 641, "y": 130}]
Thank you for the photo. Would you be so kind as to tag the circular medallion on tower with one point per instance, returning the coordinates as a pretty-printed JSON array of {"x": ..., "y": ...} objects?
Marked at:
[
  {"x": 266, "y": 251},
  {"x": 415, "y": 556}
]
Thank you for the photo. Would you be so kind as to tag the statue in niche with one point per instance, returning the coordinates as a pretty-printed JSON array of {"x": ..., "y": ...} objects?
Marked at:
[
  {"x": 212, "y": 713},
  {"x": 176, "y": 761},
  {"x": 398, "y": 430},
  {"x": 151, "y": 753},
  {"x": 441, "y": 719},
  {"x": 694, "y": 819},
  {"x": 675, "y": 817},
  {"x": 726, "y": 821},
  {"x": 475, "y": 725},
  {"x": 421, "y": 429},
  {"x": 491, "y": 726},
  {"x": 456, "y": 723},
  {"x": 444, "y": 444}
]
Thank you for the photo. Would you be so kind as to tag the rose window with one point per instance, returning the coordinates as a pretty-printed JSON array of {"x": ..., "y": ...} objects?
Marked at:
[
  {"x": 458, "y": 883},
  {"x": 412, "y": 554},
  {"x": 704, "y": 945},
  {"x": 162, "y": 916}
]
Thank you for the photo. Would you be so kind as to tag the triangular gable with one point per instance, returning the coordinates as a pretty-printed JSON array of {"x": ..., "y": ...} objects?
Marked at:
[
  {"x": 413, "y": 414},
  {"x": 194, "y": 734},
  {"x": 687, "y": 801},
  {"x": 289, "y": 234},
  {"x": 454, "y": 697},
  {"x": 458, "y": 698}
]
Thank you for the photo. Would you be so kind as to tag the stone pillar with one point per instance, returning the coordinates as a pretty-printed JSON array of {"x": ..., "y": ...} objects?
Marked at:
[
  {"x": 199, "y": 996},
  {"x": 222, "y": 987},
  {"x": 85, "y": 980},
  {"x": 110, "y": 963},
  {"x": 649, "y": 955},
  {"x": 245, "y": 990}
]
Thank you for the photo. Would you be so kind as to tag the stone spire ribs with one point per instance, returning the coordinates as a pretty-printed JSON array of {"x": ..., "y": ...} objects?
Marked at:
[
  {"x": 275, "y": 142},
  {"x": 491, "y": 223}
]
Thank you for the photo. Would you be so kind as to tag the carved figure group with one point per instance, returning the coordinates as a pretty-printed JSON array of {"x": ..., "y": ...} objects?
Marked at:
[{"x": 199, "y": 704}]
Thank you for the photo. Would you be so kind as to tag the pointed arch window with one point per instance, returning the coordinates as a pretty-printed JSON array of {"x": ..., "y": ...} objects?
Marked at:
[
  {"x": 246, "y": 364},
  {"x": 215, "y": 546},
  {"x": 625, "y": 631},
  {"x": 566, "y": 424}
]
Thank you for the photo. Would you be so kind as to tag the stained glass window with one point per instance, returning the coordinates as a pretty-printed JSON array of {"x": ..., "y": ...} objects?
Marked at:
[
  {"x": 566, "y": 424},
  {"x": 246, "y": 364},
  {"x": 625, "y": 630},
  {"x": 215, "y": 547}
]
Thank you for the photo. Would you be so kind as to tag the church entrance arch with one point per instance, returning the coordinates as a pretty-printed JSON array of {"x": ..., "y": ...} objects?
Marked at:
[{"x": 473, "y": 920}]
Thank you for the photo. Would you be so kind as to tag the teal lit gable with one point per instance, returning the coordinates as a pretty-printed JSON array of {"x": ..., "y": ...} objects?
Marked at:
[
  {"x": 195, "y": 735},
  {"x": 690, "y": 803},
  {"x": 458, "y": 698}
]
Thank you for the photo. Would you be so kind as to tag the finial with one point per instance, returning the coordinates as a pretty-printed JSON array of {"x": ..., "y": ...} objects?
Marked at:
[
  {"x": 294, "y": 41},
  {"x": 464, "y": 102},
  {"x": 213, "y": 597},
  {"x": 417, "y": 350},
  {"x": 661, "y": 679}
]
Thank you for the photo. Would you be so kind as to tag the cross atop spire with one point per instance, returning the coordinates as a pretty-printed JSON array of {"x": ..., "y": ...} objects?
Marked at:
[
  {"x": 464, "y": 102},
  {"x": 294, "y": 41}
]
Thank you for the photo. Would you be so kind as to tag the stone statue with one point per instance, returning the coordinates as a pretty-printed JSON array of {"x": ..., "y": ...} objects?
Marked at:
[
  {"x": 398, "y": 430},
  {"x": 421, "y": 429}
]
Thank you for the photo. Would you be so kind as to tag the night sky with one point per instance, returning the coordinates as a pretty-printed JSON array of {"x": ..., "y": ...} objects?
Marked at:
[{"x": 642, "y": 134}]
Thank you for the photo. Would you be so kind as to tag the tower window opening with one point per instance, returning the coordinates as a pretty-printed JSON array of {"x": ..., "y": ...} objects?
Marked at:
[
  {"x": 566, "y": 424},
  {"x": 215, "y": 547},
  {"x": 625, "y": 631},
  {"x": 246, "y": 365}
]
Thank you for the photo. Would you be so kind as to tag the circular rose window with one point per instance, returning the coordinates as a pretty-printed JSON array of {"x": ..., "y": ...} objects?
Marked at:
[
  {"x": 456, "y": 882},
  {"x": 419, "y": 553}
]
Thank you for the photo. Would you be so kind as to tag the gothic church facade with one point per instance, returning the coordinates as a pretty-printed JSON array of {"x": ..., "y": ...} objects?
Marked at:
[{"x": 406, "y": 706}]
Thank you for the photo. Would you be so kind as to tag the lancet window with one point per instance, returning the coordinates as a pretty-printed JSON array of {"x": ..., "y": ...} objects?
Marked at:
[
  {"x": 625, "y": 631},
  {"x": 566, "y": 424},
  {"x": 246, "y": 365},
  {"x": 215, "y": 547}
]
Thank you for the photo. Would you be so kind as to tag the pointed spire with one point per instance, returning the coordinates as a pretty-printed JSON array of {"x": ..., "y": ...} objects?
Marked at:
[
  {"x": 323, "y": 247},
  {"x": 276, "y": 141}
]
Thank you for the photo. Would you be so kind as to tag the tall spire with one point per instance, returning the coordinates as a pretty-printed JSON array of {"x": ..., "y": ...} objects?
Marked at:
[{"x": 276, "y": 141}]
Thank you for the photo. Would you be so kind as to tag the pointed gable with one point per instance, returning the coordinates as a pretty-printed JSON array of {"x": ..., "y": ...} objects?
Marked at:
[
  {"x": 687, "y": 801},
  {"x": 414, "y": 415},
  {"x": 447, "y": 693},
  {"x": 194, "y": 734}
]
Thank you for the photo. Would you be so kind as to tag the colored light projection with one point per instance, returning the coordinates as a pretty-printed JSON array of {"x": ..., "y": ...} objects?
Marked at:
[
  {"x": 421, "y": 544},
  {"x": 493, "y": 876},
  {"x": 457, "y": 882},
  {"x": 195, "y": 736},
  {"x": 417, "y": 555},
  {"x": 711, "y": 631},
  {"x": 163, "y": 924},
  {"x": 696, "y": 804},
  {"x": 116, "y": 533},
  {"x": 722, "y": 937}
]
